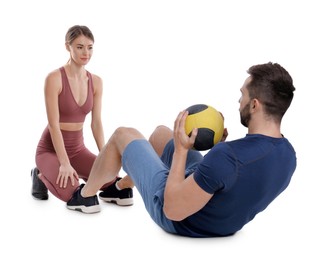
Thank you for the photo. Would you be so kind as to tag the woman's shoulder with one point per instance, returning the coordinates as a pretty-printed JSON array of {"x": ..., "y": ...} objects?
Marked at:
[
  {"x": 97, "y": 81},
  {"x": 96, "y": 78},
  {"x": 54, "y": 74},
  {"x": 53, "y": 78}
]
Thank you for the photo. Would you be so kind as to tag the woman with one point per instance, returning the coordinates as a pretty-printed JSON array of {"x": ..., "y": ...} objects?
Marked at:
[{"x": 71, "y": 92}]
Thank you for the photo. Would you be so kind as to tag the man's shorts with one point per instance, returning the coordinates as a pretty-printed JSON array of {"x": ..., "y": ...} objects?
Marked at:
[{"x": 149, "y": 173}]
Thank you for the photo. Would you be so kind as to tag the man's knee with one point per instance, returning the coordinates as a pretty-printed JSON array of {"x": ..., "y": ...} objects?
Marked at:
[
  {"x": 162, "y": 130},
  {"x": 127, "y": 134},
  {"x": 160, "y": 137}
]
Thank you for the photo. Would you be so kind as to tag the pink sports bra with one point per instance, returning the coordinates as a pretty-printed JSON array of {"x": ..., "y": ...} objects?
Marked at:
[{"x": 69, "y": 110}]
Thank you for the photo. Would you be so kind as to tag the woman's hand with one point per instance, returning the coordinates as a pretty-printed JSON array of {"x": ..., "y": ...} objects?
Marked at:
[{"x": 66, "y": 172}]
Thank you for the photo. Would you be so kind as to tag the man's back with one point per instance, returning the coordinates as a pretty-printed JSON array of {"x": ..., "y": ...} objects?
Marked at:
[{"x": 245, "y": 175}]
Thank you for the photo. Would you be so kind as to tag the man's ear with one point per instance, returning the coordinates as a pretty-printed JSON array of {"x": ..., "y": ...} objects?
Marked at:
[{"x": 255, "y": 103}]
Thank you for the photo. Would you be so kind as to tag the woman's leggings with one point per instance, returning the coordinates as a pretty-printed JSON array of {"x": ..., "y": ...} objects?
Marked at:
[{"x": 48, "y": 164}]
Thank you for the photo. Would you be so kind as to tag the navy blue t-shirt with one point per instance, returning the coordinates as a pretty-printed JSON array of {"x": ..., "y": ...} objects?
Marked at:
[{"x": 245, "y": 176}]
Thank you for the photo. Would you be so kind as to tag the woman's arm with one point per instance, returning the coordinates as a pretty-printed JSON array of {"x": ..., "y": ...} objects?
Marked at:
[
  {"x": 52, "y": 90},
  {"x": 96, "y": 123}
]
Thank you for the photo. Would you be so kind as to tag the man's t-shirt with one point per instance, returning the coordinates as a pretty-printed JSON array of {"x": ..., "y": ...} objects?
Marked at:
[{"x": 245, "y": 176}]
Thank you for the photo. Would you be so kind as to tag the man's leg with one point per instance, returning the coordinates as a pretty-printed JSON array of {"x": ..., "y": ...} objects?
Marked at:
[
  {"x": 108, "y": 163},
  {"x": 160, "y": 137}
]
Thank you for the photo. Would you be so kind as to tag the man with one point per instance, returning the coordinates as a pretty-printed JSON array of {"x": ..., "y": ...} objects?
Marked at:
[{"x": 215, "y": 195}]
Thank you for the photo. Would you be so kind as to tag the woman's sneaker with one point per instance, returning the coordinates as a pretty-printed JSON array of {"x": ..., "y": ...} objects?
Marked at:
[
  {"x": 85, "y": 205},
  {"x": 39, "y": 190},
  {"x": 122, "y": 197}
]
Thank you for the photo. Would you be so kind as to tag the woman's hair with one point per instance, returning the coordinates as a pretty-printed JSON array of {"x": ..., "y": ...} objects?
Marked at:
[
  {"x": 273, "y": 86},
  {"x": 77, "y": 30}
]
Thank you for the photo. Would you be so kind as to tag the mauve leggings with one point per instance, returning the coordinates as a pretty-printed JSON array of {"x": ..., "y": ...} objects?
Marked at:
[{"x": 47, "y": 162}]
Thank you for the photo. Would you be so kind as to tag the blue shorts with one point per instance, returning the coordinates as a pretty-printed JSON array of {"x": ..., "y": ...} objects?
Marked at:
[{"x": 149, "y": 173}]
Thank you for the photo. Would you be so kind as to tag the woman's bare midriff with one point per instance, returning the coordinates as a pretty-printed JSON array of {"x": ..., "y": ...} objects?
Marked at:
[{"x": 71, "y": 126}]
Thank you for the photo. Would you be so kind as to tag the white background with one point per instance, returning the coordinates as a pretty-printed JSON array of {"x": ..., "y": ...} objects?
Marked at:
[{"x": 157, "y": 58}]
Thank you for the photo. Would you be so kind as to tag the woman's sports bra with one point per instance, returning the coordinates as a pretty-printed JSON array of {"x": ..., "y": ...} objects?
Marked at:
[{"x": 69, "y": 110}]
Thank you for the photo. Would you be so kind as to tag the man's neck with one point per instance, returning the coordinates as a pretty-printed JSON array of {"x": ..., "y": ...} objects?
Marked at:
[{"x": 267, "y": 128}]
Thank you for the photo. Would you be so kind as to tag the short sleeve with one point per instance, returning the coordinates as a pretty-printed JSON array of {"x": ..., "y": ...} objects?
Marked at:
[{"x": 218, "y": 170}]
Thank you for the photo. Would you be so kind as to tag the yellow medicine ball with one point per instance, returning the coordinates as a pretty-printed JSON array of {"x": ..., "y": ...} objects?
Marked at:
[{"x": 210, "y": 124}]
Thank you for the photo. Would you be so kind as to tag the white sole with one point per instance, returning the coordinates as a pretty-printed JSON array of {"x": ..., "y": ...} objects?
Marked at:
[
  {"x": 120, "y": 202},
  {"x": 87, "y": 210}
]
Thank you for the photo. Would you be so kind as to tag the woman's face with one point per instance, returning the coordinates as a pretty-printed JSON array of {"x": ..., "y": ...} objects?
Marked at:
[{"x": 81, "y": 50}]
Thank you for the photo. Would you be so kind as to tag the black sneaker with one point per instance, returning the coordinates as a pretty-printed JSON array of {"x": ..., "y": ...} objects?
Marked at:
[
  {"x": 85, "y": 205},
  {"x": 122, "y": 197},
  {"x": 39, "y": 190}
]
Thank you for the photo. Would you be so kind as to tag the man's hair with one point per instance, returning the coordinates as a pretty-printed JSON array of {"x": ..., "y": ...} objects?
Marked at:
[{"x": 273, "y": 86}]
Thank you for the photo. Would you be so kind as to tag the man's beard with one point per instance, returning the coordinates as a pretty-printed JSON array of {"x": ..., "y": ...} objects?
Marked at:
[{"x": 245, "y": 115}]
